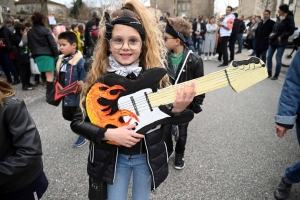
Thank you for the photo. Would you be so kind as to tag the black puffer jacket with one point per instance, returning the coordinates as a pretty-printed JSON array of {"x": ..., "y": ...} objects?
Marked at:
[
  {"x": 192, "y": 70},
  {"x": 41, "y": 41},
  {"x": 99, "y": 150},
  {"x": 283, "y": 29},
  {"x": 20, "y": 147}
]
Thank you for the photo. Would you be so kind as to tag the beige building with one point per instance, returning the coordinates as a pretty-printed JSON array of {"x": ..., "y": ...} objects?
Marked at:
[
  {"x": 30, "y": 6},
  {"x": 185, "y": 8},
  {"x": 7, "y": 7}
]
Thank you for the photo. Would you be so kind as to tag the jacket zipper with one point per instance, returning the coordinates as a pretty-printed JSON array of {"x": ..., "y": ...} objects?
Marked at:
[{"x": 149, "y": 165}]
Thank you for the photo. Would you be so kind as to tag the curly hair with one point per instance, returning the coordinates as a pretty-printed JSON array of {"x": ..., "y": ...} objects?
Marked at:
[
  {"x": 153, "y": 50},
  {"x": 5, "y": 90},
  {"x": 181, "y": 25}
]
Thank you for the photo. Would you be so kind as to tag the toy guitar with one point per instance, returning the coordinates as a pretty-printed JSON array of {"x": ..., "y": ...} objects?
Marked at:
[{"x": 115, "y": 101}]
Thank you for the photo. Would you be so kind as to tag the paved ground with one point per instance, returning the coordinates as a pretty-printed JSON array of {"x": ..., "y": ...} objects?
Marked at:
[{"x": 232, "y": 151}]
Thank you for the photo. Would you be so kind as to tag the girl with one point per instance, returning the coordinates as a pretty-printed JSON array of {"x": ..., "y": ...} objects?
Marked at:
[
  {"x": 210, "y": 38},
  {"x": 132, "y": 44},
  {"x": 74, "y": 29},
  {"x": 21, "y": 167}
]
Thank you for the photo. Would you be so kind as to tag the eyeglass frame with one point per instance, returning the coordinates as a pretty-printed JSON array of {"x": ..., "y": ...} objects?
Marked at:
[{"x": 141, "y": 44}]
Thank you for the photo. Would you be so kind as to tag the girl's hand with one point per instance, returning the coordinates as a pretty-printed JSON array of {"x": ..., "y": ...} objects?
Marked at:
[
  {"x": 123, "y": 135},
  {"x": 184, "y": 97},
  {"x": 280, "y": 130}
]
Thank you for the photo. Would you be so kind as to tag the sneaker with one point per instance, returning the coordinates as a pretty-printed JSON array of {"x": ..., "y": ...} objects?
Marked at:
[
  {"x": 205, "y": 58},
  {"x": 222, "y": 65},
  {"x": 16, "y": 82},
  {"x": 179, "y": 160},
  {"x": 81, "y": 141},
  {"x": 275, "y": 77},
  {"x": 283, "y": 190},
  {"x": 210, "y": 58},
  {"x": 217, "y": 60},
  {"x": 238, "y": 52},
  {"x": 28, "y": 88},
  {"x": 250, "y": 50}
]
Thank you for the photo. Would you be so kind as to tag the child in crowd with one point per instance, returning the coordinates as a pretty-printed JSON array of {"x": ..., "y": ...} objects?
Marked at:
[
  {"x": 131, "y": 45},
  {"x": 70, "y": 68},
  {"x": 74, "y": 29},
  {"x": 21, "y": 167},
  {"x": 19, "y": 40},
  {"x": 179, "y": 56}
]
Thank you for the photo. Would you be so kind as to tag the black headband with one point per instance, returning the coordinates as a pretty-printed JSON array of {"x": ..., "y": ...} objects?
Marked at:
[
  {"x": 170, "y": 30},
  {"x": 128, "y": 21}
]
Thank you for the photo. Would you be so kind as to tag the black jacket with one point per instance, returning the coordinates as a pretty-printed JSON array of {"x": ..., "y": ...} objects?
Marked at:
[
  {"x": 242, "y": 26},
  {"x": 262, "y": 35},
  {"x": 283, "y": 30},
  {"x": 203, "y": 30},
  {"x": 21, "y": 52},
  {"x": 20, "y": 147},
  {"x": 41, "y": 41},
  {"x": 235, "y": 29},
  {"x": 99, "y": 150},
  {"x": 7, "y": 35},
  {"x": 192, "y": 70},
  {"x": 87, "y": 32}
]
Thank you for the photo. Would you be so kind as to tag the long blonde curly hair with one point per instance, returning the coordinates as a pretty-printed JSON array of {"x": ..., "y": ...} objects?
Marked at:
[
  {"x": 6, "y": 90},
  {"x": 153, "y": 50}
]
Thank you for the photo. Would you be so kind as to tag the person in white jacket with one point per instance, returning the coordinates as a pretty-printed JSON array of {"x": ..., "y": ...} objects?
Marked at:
[{"x": 210, "y": 38}]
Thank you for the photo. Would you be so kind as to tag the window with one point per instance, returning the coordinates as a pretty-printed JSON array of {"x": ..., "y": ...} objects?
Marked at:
[
  {"x": 188, "y": 6},
  {"x": 183, "y": 6},
  {"x": 179, "y": 6}
]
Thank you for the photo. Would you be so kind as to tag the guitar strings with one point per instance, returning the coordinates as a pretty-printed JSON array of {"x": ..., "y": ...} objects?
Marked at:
[
  {"x": 139, "y": 100},
  {"x": 168, "y": 91}
]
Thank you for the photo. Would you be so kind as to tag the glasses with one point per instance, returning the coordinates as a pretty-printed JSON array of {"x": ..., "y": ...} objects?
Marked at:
[
  {"x": 166, "y": 38},
  {"x": 118, "y": 43}
]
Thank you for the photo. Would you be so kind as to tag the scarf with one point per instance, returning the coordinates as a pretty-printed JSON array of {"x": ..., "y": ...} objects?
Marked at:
[
  {"x": 116, "y": 67},
  {"x": 64, "y": 62}
]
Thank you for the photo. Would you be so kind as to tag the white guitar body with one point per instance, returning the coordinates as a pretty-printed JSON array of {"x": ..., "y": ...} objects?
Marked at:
[{"x": 142, "y": 110}]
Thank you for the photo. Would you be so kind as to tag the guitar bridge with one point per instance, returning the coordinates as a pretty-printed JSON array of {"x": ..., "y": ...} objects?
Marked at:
[
  {"x": 134, "y": 106},
  {"x": 148, "y": 101}
]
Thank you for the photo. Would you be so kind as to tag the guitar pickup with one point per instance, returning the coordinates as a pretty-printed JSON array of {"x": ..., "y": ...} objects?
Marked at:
[{"x": 134, "y": 106}]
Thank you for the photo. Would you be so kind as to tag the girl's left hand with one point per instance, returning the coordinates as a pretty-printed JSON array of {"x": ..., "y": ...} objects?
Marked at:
[{"x": 184, "y": 97}]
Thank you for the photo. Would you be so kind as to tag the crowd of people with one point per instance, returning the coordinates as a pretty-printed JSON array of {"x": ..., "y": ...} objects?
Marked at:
[{"x": 130, "y": 44}]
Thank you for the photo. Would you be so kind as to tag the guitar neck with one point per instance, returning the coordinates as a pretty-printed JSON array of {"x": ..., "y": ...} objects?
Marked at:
[
  {"x": 239, "y": 78},
  {"x": 203, "y": 85}
]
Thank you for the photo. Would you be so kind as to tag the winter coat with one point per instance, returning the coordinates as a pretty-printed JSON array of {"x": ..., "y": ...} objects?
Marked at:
[
  {"x": 289, "y": 101},
  {"x": 283, "y": 29},
  {"x": 41, "y": 41},
  {"x": 193, "y": 69},
  {"x": 76, "y": 65},
  {"x": 262, "y": 35},
  {"x": 20, "y": 147}
]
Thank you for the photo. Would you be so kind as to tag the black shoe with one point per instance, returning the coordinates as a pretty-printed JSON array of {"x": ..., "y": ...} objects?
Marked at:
[
  {"x": 283, "y": 190},
  {"x": 238, "y": 52},
  {"x": 275, "y": 77},
  {"x": 222, "y": 65},
  {"x": 27, "y": 88},
  {"x": 251, "y": 55},
  {"x": 31, "y": 85},
  {"x": 179, "y": 160},
  {"x": 16, "y": 82},
  {"x": 49, "y": 88}
]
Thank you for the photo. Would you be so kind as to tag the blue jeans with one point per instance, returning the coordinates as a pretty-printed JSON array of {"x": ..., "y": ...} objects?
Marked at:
[
  {"x": 138, "y": 167},
  {"x": 293, "y": 173},
  {"x": 199, "y": 41},
  {"x": 262, "y": 55},
  {"x": 8, "y": 66},
  {"x": 240, "y": 41},
  {"x": 271, "y": 51}
]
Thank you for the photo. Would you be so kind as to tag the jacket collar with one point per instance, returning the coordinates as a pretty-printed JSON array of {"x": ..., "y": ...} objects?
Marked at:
[{"x": 73, "y": 61}]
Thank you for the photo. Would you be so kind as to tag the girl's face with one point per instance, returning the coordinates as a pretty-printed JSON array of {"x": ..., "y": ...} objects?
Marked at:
[
  {"x": 212, "y": 20},
  {"x": 76, "y": 28},
  {"x": 125, "y": 44}
]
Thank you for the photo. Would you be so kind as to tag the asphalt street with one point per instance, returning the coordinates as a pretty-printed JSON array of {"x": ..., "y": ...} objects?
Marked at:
[{"x": 232, "y": 152}]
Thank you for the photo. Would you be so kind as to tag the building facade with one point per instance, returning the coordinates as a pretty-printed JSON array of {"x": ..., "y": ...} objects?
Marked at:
[{"x": 185, "y": 8}]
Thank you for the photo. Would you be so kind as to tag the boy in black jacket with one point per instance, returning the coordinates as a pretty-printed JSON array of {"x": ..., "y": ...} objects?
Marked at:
[{"x": 175, "y": 36}]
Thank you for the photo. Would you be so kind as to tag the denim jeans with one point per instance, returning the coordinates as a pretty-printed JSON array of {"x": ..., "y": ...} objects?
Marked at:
[
  {"x": 8, "y": 66},
  {"x": 293, "y": 173},
  {"x": 138, "y": 167},
  {"x": 262, "y": 55},
  {"x": 271, "y": 51},
  {"x": 240, "y": 41},
  {"x": 199, "y": 41}
]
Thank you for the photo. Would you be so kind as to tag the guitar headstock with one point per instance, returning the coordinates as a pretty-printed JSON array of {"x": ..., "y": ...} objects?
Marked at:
[{"x": 245, "y": 73}]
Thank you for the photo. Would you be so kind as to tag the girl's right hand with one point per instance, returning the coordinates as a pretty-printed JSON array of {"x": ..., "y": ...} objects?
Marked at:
[{"x": 123, "y": 135}]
